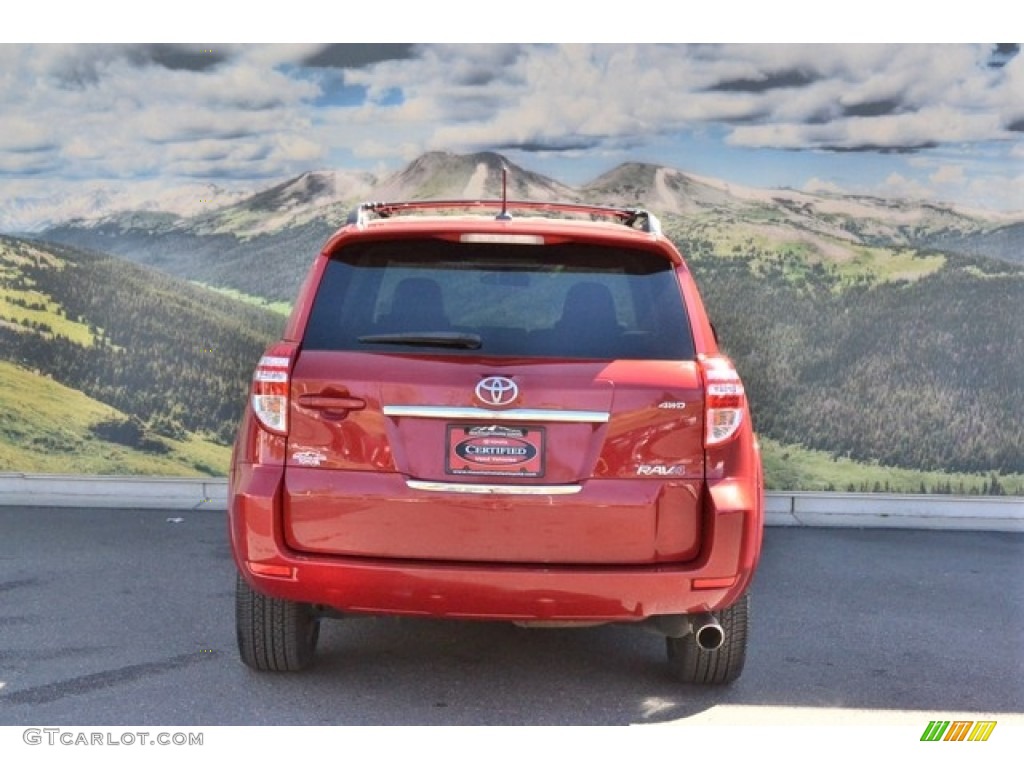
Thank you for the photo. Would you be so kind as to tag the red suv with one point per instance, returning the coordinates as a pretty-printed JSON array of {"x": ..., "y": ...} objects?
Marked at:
[{"x": 521, "y": 417}]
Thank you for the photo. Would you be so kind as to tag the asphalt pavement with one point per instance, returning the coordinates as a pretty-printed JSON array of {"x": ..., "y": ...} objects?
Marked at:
[{"x": 125, "y": 617}]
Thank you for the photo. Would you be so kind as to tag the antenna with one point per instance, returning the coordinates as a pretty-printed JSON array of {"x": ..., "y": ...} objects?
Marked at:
[{"x": 504, "y": 215}]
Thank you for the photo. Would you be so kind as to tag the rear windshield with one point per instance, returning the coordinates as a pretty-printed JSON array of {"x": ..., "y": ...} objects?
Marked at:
[{"x": 436, "y": 296}]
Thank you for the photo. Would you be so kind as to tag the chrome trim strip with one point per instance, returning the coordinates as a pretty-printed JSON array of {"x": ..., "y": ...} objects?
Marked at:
[
  {"x": 484, "y": 414},
  {"x": 515, "y": 490}
]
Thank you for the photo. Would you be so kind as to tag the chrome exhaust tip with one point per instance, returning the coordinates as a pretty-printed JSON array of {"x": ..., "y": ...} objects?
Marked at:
[{"x": 708, "y": 632}]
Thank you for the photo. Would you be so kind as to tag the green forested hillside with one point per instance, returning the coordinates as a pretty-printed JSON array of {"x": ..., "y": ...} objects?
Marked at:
[
  {"x": 924, "y": 373},
  {"x": 173, "y": 358},
  {"x": 270, "y": 265},
  {"x": 1004, "y": 243}
]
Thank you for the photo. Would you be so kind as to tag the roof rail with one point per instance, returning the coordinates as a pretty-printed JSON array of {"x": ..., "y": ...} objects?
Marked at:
[{"x": 637, "y": 218}]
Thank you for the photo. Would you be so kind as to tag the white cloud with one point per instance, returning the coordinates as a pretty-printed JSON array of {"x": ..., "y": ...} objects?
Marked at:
[
  {"x": 815, "y": 185},
  {"x": 28, "y": 163},
  {"x": 116, "y": 111},
  {"x": 21, "y": 134},
  {"x": 30, "y": 204},
  {"x": 997, "y": 192},
  {"x": 948, "y": 174},
  {"x": 129, "y": 111},
  {"x": 897, "y": 185},
  {"x": 298, "y": 149},
  {"x": 843, "y": 96}
]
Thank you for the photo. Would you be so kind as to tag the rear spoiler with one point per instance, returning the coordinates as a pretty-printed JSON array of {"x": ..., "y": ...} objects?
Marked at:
[{"x": 635, "y": 218}]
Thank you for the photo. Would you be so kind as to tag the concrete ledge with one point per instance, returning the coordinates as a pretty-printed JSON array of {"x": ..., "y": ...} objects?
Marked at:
[
  {"x": 894, "y": 510},
  {"x": 783, "y": 508},
  {"x": 110, "y": 492}
]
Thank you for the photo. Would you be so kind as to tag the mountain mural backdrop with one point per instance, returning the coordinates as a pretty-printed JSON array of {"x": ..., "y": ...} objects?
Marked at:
[{"x": 879, "y": 338}]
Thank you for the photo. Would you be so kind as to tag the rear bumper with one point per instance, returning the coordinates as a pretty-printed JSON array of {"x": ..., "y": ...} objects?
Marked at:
[{"x": 713, "y": 580}]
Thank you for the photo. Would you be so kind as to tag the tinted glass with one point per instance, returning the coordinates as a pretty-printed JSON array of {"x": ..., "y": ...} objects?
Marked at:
[{"x": 575, "y": 301}]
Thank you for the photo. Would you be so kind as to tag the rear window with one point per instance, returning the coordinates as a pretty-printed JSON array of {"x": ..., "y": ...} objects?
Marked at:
[{"x": 435, "y": 296}]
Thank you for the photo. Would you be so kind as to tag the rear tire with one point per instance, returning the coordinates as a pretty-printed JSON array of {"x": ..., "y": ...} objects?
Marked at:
[
  {"x": 274, "y": 635},
  {"x": 692, "y": 664}
]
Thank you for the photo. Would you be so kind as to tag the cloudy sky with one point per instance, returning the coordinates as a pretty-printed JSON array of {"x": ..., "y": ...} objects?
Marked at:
[{"x": 939, "y": 122}]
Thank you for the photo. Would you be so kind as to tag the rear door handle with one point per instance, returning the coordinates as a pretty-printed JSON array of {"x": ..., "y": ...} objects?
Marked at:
[{"x": 332, "y": 402}]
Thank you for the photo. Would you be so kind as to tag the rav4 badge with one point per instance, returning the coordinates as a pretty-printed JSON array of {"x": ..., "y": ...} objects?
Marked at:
[{"x": 658, "y": 469}]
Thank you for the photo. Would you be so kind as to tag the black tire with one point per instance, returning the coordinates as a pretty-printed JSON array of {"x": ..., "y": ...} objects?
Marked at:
[
  {"x": 274, "y": 635},
  {"x": 692, "y": 664}
]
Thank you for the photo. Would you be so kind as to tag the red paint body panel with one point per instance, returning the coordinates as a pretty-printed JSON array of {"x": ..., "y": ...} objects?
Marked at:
[
  {"x": 488, "y": 590},
  {"x": 350, "y": 503},
  {"x": 609, "y": 521}
]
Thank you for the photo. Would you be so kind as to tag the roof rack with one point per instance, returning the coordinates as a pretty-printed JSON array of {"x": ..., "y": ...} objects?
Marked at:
[{"x": 638, "y": 218}]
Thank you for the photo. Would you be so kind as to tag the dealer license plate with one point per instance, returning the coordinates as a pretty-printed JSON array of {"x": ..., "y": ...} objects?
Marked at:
[{"x": 495, "y": 450}]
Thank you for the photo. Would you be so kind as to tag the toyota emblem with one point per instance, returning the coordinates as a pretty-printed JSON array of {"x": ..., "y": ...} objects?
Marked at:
[{"x": 496, "y": 391}]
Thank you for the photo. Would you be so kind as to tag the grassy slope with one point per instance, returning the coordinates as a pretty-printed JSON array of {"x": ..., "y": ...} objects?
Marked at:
[
  {"x": 280, "y": 307},
  {"x": 27, "y": 304},
  {"x": 44, "y": 427},
  {"x": 790, "y": 467},
  {"x": 772, "y": 238}
]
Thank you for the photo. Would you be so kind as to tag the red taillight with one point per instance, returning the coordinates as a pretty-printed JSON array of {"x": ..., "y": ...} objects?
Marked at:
[
  {"x": 725, "y": 401},
  {"x": 270, "y": 388}
]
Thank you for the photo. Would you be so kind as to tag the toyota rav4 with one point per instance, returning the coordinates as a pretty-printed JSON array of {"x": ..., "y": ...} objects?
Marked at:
[{"x": 497, "y": 410}]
